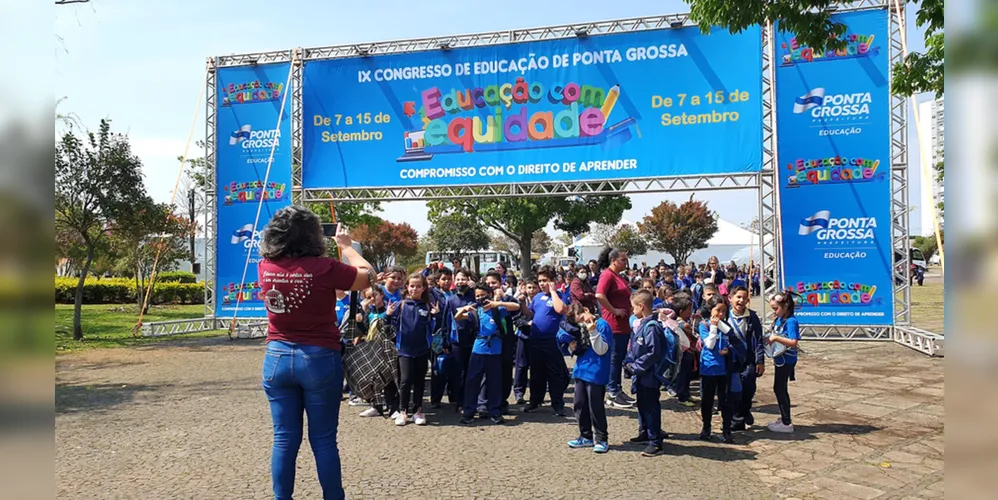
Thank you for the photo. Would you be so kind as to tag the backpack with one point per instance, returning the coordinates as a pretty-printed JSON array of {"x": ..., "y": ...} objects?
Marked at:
[{"x": 668, "y": 367}]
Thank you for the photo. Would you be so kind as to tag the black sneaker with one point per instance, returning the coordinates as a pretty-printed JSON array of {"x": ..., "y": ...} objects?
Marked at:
[
  {"x": 621, "y": 401},
  {"x": 559, "y": 412},
  {"x": 498, "y": 420},
  {"x": 520, "y": 400},
  {"x": 740, "y": 426},
  {"x": 652, "y": 451},
  {"x": 728, "y": 439},
  {"x": 704, "y": 436},
  {"x": 640, "y": 438},
  {"x": 435, "y": 406},
  {"x": 530, "y": 408},
  {"x": 467, "y": 421}
]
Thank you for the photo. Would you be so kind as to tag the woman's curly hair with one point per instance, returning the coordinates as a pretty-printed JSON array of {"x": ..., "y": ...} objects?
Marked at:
[{"x": 294, "y": 231}]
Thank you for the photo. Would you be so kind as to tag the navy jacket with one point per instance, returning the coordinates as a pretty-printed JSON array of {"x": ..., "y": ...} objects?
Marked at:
[
  {"x": 414, "y": 327},
  {"x": 464, "y": 331},
  {"x": 753, "y": 349},
  {"x": 646, "y": 352}
]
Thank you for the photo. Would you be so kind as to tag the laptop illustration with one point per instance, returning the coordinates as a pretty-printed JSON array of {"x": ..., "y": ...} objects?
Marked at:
[{"x": 414, "y": 145}]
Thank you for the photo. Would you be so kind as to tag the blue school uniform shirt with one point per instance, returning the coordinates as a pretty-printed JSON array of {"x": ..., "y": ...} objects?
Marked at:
[
  {"x": 546, "y": 321},
  {"x": 790, "y": 329},
  {"x": 391, "y": 298},
  {"x": 712, "y": 363},
  {"x": 489, "y": 338},
  {"x": 657, "y": 303},
  {"x": 414, "y": 326},
  {"x": 342, "y": 309},
  {"x": 595, "y": 368}
]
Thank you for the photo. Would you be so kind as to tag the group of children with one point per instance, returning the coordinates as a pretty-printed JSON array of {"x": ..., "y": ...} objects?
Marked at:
[{"x": 485, "y": 339}]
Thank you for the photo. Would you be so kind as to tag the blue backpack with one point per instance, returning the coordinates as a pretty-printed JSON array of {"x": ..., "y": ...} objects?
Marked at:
[{"x": 668, "y": 367}]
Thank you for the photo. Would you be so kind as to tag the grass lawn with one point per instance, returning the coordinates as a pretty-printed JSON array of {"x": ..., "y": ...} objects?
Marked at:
[
  {"x": 927, "y": 307},
  {"x": 110, "y": 325}
]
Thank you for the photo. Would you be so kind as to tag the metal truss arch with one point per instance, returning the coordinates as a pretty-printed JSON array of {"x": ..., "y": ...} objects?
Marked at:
[{"x": 764, "y": 181}]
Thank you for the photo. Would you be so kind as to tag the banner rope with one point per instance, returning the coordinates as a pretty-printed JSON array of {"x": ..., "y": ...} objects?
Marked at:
[
  {"x": 926, "y": 177},
  {"x": 259, "y": 206},
  {"x": 173, "y": 198}
]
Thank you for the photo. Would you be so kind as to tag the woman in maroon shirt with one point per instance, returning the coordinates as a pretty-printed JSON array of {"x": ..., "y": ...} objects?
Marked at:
[
  {"x": 302, "y": 370},
  {"x": 614, "y": 295}
]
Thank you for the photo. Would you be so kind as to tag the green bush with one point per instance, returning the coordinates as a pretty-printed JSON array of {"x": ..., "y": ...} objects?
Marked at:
[
  {"x": 177, "y": 277},
  {"x": 122, "y": 291}
]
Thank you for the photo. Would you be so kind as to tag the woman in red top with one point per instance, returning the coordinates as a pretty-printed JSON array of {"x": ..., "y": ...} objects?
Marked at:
[
  {"x": 302, "y": 370},
  {"x": 614, "y": 295}
]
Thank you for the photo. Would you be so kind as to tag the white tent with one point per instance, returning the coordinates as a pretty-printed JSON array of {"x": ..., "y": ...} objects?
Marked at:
[{"x": 728, "y": 242}]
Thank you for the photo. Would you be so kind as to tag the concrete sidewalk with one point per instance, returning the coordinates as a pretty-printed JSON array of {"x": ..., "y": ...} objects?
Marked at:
[{"x": 188, "y": 420}]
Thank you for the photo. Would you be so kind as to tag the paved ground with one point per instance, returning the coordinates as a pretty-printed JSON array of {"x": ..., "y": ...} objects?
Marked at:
[{"x": 189, "y": 420}]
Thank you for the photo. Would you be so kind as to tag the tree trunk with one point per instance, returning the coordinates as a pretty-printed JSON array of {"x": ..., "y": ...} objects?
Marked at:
[
  {"x": 78, "y": 301},
  {"x": 525, "y": 268}
]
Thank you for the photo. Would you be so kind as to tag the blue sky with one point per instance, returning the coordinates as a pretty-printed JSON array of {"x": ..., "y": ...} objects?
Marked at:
[{"x": 141, "y": 63}]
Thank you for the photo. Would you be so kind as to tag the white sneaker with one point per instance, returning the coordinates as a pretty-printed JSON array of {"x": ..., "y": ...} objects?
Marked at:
[
  {"x": 370, "y": 412},
  {"x": 781, "y": 427},
  {"x": 394, "y": 415},
  {"x": 400, "y": 418},
  {"x": 419, "y": 418},
  {"x": 356, "y": 401}
]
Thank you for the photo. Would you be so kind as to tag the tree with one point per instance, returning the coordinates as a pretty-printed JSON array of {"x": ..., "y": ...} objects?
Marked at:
[
  {"x": 519, "y": 218},
  {"x": 811, "y": 22},
  {"x": 97, "y": 179},
  {"x": 928, "y": 244},
  {"x": 141, "y": 233},
  {"x": 455, "y": 233},
  {"x": 679, "y": 230},
  {"x": 541, "y": 241},
  {"x": 385, "y": 242},
  {"x": 603, "y": 233},
  {"x": 350, "y": 214},
  {"x": 629, "y": 239},
  {"x": 502, "y": 243},
  {"x": 418, "y": 258}
]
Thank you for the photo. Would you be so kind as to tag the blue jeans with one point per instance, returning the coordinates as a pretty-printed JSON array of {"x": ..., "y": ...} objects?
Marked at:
[
  {"x": 618, "y": 351},
  {"x": 299, "y": 379}
]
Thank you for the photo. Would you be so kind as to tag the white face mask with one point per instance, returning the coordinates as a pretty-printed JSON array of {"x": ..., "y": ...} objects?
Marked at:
[{"x": 583, "y": 276}]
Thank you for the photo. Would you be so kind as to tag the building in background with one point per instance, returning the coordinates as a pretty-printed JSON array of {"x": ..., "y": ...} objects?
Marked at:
[{"x": 931, "y": 116}]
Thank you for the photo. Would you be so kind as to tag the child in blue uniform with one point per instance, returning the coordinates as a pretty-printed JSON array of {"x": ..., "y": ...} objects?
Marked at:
[
  {"x": 591, "y": 374},
  {"x": 547, "y": 365},
  {"x": 486, "y": 353},
  {"x": 445, "y": 377},
  {"x": 644, "y": 355},
  {"x": 414, "y": 319},
  {"x": 713, "y": 366},
  {"x": 786, "y": 331},
  {"x": 522, "y": 375}
]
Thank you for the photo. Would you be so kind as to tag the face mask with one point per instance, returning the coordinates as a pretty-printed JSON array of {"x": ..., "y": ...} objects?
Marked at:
[
  {"x": 480, "y": 302},
  {"x": 462, "y": 288},
  {"x": 583, "y": 276}
]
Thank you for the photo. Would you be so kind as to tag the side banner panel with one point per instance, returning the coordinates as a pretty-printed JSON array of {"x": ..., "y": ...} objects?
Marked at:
[
  {"x": 834, "y": 140},
  {"x": 249, "y": 102},
  {"x": 622, "y": 106}
]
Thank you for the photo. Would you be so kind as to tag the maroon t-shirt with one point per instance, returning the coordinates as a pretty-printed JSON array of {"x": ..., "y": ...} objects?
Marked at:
[
  {"x": 300, "y": 295},
  {"x": 619, "y": 295}
]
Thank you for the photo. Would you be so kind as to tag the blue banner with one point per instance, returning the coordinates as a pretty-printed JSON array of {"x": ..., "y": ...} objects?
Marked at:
[
  {"x": 249, "y": 102},
  {"x": 834, "y": 145},
  {"x": 622, "y": 106}
]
